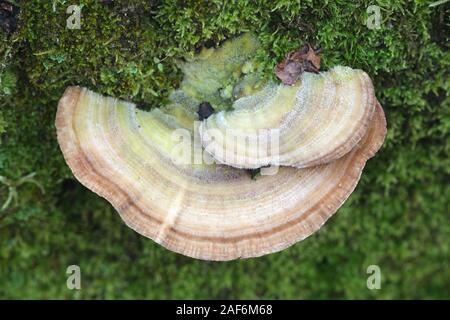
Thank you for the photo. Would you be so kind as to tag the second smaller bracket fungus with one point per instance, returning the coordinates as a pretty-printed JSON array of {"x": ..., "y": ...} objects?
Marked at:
[
  {"x": 205, "y": 110},
  {"x": 317, "y": 120}
]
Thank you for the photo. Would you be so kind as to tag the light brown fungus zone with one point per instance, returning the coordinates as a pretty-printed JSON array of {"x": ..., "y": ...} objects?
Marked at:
[{"x": 207, "y": 212}]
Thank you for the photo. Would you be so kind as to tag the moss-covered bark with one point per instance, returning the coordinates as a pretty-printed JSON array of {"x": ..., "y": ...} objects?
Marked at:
[{"x": 397, "y": 218}]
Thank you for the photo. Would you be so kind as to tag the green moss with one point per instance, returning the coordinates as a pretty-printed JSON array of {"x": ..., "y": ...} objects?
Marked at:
[
  {"x": 397, "y": 218},
  {"x": 8, "y": 82}
]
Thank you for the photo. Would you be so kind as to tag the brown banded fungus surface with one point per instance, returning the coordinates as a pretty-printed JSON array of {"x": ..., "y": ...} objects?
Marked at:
[{"x": 214, "y": 211}]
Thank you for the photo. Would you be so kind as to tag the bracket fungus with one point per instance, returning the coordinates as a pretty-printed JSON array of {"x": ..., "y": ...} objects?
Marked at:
[
  {"x": 317, "y": 120},
  {"x": 197, "y": 207}
]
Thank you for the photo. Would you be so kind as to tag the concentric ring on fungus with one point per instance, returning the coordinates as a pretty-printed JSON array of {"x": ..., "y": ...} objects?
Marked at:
[
  {"x": 205, "y": 211},
  {"x": 319, "y": 119}
]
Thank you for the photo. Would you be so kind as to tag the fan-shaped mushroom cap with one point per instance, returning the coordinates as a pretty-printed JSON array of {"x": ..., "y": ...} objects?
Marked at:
[
  {"x": 319, "y": 119},
  {"x": 204, "y": 211}
]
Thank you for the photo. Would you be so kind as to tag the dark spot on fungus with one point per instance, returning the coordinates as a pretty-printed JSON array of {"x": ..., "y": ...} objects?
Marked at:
[
  {"x": 205, "y": 110},
  {"x": 254, "y": 173},
  {"x": 210, "y": 43}
]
